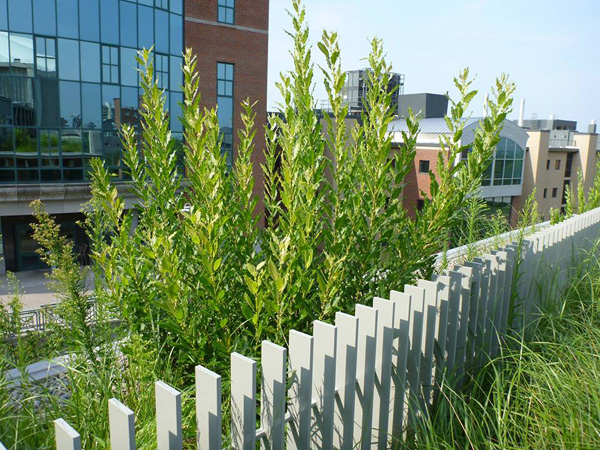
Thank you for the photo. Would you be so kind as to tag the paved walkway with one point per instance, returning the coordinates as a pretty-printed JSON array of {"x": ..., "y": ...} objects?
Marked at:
[{"x": 34, "y": 289}]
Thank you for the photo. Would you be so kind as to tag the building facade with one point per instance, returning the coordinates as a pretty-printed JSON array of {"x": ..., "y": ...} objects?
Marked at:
[
  {"x": 69, "y": 80},
  {"x": 555, "y": 155}
]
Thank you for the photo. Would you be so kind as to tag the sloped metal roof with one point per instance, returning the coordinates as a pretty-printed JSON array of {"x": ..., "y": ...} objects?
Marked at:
[{"x": 428, "y": 126}]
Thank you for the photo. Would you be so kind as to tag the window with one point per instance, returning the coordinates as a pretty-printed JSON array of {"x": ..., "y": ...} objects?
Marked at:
[
  {"x": 569, "y": 165},
  {"x": 545, "y": 192},
  {"x": 225, "y": 108},
  {"x": 554, "y": 192},
  {"x": 162, "y": 71},
  {"x": 226, "y": 13},
  {"x": 420, "y": 204},
  {"x": 45, "y": 56},
  {"x": 161, "y": 4},
  {"x": 110, "y": 64},
  {"x": 508, "y": 164},
  {"x": 548, "y": 165},
  {"x": 423, "y": 166},
  {"x": 557, "y": 164}
]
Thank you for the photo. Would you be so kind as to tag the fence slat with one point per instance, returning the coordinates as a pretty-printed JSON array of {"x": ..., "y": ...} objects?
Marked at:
[
  {"x": 168, "y": 417},
  {"x": 365, "y": 375},
  {"x": 208, "y": 409},
  {"x": 300, "y": 391},
  {"x": 122, "y": 431},
  {"x": 473, "y": 309},
  {"x": 345, "y": 380},
  {"x": 66, "y": 437},
  {"x": 414, "y": 400},
  {"x": 439, "y": 351},
  {"x": 492, "y": 319},
  {"x": 323, "y": 384},
  {"x": 383, "y": 370},
  {"x": 272, "y": 410},
  {"x": 400, "y": 350},
  {"x": 430, "y": 318},
  {"x": 463, "y": 330},
  {"x": 453, "y": 321},
  {"x": 243, "y": 402}
]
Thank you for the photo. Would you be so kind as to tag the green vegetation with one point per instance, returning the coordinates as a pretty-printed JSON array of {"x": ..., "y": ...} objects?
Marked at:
[{"x": 542, "y": 392}]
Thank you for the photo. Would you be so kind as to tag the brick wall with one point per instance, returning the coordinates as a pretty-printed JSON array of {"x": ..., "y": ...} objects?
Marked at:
[{"x": 247, "y": 50}]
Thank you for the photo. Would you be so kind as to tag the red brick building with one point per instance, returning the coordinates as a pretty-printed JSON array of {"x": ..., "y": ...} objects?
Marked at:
[{"x": 230, "y": 38}]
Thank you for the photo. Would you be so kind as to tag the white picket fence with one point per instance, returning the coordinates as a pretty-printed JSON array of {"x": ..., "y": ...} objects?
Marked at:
[{"x": 365, "y": 381}]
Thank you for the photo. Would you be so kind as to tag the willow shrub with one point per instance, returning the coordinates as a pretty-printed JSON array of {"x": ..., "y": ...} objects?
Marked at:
[{"x": 198, "y": 283}]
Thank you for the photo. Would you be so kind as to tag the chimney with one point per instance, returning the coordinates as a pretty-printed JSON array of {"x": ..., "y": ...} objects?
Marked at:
[
  {"x": 522, "y": 112},
  {"x": 485, "y": 104},
  {"x": 592, "y": 127}
]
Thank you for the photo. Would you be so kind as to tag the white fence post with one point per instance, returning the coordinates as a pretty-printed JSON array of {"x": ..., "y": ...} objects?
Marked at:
[
  {"x": 430, "y": 318},
  {"x": 365, "y": 375},
  {"x": 272, "y": 409},
  {"x": 66, "y": 437},
  {"x": 400, "y": 350},
  {"x": 441, "y": 334},
  {"x": 345, "y": 380},
  {"x": 323, "y": 384},
  {"x": 168, "y": 417},
  {"x": 208, "y": 409},
  {"x": 415, "y": 354},
  {"x": 300, "y": 392},
  {"x": 243, "y": 402},
  {"x": 383, "y": 370},
  {"x": 463, "y": 330},
  {"x": 122, "y": 431}
]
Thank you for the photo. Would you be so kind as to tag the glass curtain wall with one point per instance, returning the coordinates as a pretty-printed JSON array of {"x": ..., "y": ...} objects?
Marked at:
[{"x": 68, "y": 81}]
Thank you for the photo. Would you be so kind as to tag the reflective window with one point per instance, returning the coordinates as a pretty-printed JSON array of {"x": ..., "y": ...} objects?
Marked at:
[
  {"x": 23, "y": 101},
  {"x": 70, "y": 141},
  {"x": 3, "y": 15},
  {"x": 130, "y": 102},
  {"x": 92, "y": 143},
  {"x": 110, "y": 95},
  {"x": 6, "y": 140},
  {"x": 161, "y": 67},
  {"x": 226, "y": 11},
  {"x": 162, "y": 4},
  {"x": 7, "y": 158},
  {"x": 129, "y": 74},
  {"x": 225, "y": 108},
  {"x": 161, "y": 26},
  {"x": 146, "y": 2},
  {"x": 176, "y": 74},
  {"x": 176, "y": 6},
  {"x": 68, "y": 25},
  {"x": 47, "y": 102},
  {"x": 68, "y": 59},
  {"x": 45, "y": 56},
  {"x": 109, "y": 12},
  {"x": 90, "y": 62},
  {"x": 89, "y": 23},
  {"x": 128, "y": 24},
  {"x": 49, "y": 151},
  {"x": 4, "y": 55},
  {"x": 44, "y": 17},
  {"x": 21, "y": 54},
  {"x": 507, "y": 164},
  {"x": 175, "y": 111},
  {"x": 176, "y": 32},
  {"x": 5, "y": 101},
  {"x": 91, "y": 105},
  {"x": 146, "y": 27},
  {"x": 27, "y": 160},
  {"x": 20, "y": 15},
  {"x": 110, "y": 64},
  {"x": 70, "y": 105}
]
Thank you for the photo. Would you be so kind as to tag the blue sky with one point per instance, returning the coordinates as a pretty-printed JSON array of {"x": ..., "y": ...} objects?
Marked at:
[{"x": 549, "y": 48}]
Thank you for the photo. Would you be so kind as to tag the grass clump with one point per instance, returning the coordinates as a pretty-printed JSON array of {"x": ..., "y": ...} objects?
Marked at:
[{"x": 540, "y": 393}]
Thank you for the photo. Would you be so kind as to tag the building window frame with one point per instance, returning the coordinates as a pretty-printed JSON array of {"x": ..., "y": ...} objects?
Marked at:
[
  {"x": 548, "y": 164},
  {"x": 225, "y": 92},
  {"x": 557, "y": 164},
  {"x": 43, "y": 57},
  {"x": 161, "y": 4},
  {"x": 226, "y": 11},
  {"x": 110, "y": 64},
  {"x": 545, "y": 192},
  {"x": 161, "y": 68},
  {"x": 424, "y": 166},
  {"x": 554, "y": 192}
]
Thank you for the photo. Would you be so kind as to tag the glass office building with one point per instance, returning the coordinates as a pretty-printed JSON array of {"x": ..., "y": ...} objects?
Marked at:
[{"x": 68, "y": 81}]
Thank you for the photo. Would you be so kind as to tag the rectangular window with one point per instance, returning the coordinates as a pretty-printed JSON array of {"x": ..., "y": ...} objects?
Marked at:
[
  {"x": 545, "y": 192},
  {"x": 554, "y": 192},
  {"x": 557, "y": 164},
  {"x": 110, "y": 64},
  {"x": 161, "y": 4},
  {"x": 423, "y": 166},
  {"x": 420, "y": 204},
  {"x": 226, "y": 12},
  {"x": 548, "y": 165},
  {"x": 225, "y": 108},
  {"x": 162, "y": 71},
  {"x": 569, "y": 165},
  {"x": 45, "y": 56}
]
